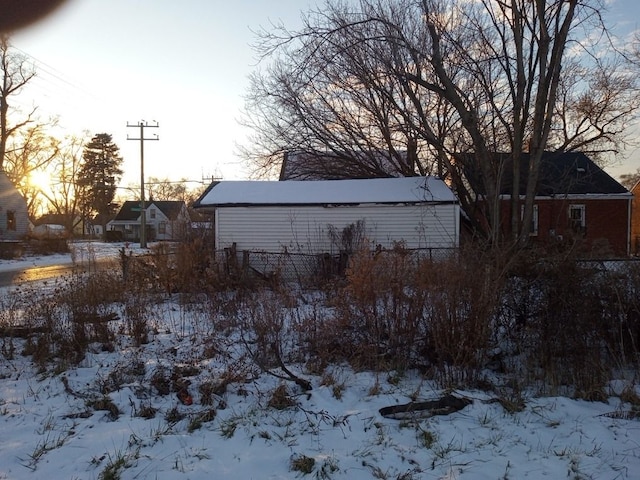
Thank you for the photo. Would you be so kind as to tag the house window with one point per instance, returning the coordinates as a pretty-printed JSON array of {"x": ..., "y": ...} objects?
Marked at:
[
  {"x": 577, "y": 220},
  {"x": 162, "y": 228},
  {"x": 533, "y": 228},
  {"x": 152, "y": 213},
  {"x": 11, "y": 220}
]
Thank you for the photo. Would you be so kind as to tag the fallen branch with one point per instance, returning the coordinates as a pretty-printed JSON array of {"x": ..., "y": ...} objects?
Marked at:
[
  {"x": 21, "y": 331},
  {"x": 443, "y": 406}
]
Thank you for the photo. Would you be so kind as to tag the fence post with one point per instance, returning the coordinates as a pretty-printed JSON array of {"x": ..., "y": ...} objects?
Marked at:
[
  {"x": 124, "y": 263},
  {"x": 245, "y": 264}
]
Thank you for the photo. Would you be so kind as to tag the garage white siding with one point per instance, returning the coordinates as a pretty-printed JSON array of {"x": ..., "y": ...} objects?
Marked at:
[
  {"x": 306, "y": 229},
  {"x": 309, "y": 217}
]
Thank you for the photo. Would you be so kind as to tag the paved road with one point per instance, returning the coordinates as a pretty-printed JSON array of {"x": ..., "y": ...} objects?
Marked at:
[{"x": 33, "y": 274}]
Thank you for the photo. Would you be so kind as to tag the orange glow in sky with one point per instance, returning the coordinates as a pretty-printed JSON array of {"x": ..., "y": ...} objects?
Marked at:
[
  {"x": 185, "y": 64},
  {"x": 101, "y": 65}
]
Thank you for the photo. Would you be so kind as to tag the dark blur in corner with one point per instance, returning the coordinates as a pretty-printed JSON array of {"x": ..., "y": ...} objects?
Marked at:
[{"x": 16, "y": 14}]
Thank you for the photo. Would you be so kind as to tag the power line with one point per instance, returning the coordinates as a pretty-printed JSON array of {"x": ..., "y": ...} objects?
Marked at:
[
  {"x": 52, "y": 72},
  {"x": 142, "y": 125}
]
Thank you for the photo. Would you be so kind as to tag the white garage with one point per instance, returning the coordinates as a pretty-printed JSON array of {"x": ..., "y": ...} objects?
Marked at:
[{"x": 312, "y": 217}]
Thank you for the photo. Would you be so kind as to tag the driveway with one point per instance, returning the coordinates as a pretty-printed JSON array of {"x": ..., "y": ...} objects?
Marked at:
[{"x": 22, "y": 275}]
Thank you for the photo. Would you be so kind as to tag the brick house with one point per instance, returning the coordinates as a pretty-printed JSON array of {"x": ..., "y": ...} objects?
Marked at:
[
  {"x": 635, "y": 219},
  {"x": 576, "y": 202}
]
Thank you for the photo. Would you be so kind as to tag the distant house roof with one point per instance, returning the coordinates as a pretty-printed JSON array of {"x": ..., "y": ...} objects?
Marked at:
[
  {"x": 561, "y": 173},
  {"x": 326, "y": 192},
  {"x": 51, "y": 219},
  {"x": 334, "y": 166},
  {"x": 130, "y": 209}
]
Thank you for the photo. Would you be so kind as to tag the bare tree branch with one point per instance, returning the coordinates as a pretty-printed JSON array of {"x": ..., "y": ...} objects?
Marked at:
[{"x": 459, "y": 83}]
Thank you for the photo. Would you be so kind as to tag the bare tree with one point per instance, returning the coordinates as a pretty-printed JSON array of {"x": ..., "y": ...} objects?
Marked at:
[
  {"x": 31, "y": 150},
  {"x": 629, "y": 180},
  {"x": 16, "y": 72},
  {"x": 162, "y": 189},
  {"x": 63, "y": 197},
  {"x": 459, "y": 82},
  {"x": 25, "y": 145},
  {"x": 165, "y": 189}
]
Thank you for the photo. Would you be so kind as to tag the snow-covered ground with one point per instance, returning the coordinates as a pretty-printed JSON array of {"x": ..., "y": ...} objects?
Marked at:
[
  {"x": 52, "y": 427},
  {"x": 79, "y": 252}
]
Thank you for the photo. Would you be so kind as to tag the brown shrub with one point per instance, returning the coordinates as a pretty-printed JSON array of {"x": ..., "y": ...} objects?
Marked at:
[
  {"x": 564, "y": 317},
  {"x": 461, "y": 297},
  {"x": 379, "y": 313},
  {"x": 400, "y": 310}
]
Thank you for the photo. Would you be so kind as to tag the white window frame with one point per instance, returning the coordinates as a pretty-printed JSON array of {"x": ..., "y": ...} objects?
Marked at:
[{"x": 573, "y": 221}]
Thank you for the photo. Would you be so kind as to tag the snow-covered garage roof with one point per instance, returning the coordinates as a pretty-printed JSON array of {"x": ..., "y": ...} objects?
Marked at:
[{"x": 323, "y": 192}]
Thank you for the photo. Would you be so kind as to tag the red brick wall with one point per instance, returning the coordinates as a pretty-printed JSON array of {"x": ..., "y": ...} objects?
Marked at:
[
  {"x": 607, "y": 223},
  {"x": 635, "y": 220}
]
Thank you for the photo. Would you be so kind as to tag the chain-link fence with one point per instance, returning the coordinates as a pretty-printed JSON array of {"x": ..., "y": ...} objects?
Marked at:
[{"x": 299, "y": 267}]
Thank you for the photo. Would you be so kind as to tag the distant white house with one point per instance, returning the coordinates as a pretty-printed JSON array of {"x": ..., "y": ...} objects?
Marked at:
[
  {"x": 49, "y": 230},
  {"x": 164, "y": 220},
  {"x": 14, "y": 218},
  {"x": 95, "y": 230},
  {"x": 315, "y": 216},
  {"x": 50, "y": 224}
]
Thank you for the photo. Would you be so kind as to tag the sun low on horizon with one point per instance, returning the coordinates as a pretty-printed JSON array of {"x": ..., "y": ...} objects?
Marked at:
[{"x": 40, "y": 180}]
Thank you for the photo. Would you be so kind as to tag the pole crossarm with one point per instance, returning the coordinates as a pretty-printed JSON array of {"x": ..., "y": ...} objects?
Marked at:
[{"x": 142, "y": 125}]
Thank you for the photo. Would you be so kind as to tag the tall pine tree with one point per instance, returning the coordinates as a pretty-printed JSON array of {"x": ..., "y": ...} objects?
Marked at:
[{"x": 98, "y": 177}]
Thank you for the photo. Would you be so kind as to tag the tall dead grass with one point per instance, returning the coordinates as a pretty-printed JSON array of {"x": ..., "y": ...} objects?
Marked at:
[
  {"x": 398, "y": 310},
  {"x": 570, "y": 324},
  {"x": 551, "y": 321}
]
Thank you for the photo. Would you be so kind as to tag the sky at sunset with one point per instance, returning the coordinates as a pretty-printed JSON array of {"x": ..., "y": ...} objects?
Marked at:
[{"x": 102, "y": 65}]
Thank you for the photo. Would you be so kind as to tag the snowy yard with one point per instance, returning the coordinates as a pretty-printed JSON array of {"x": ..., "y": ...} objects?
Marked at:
[{"x": 117, "y": 415}]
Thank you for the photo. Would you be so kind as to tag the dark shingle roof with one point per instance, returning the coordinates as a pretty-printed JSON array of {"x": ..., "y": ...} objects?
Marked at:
[
  {"x": 130, "y": 209},
  {"x": 331, "y": 166},
  {"x": 561, "y": 173},
  {"x": 51, "y": 219}
]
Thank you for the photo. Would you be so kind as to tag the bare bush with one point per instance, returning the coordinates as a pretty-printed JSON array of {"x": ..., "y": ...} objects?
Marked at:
[
  {"x": 379, "y": 314},
  {"x": 400, "y": 310},
  {"x": 550, "y": 321},
  {"x": 462, "y": 298},
  {"x": 163, "y": 267},
  {"x": 621, "y": 287},
  {"x": 91, "y": 302},
  {"x": 66, "y": 320},
  {"x": 571, "y": 322},
  {"x": 195, "y": 268},
  {"x": 267, "y": 333}
]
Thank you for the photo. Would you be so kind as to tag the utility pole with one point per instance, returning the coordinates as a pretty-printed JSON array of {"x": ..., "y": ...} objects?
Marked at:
[{"x": 143, "y": 223}]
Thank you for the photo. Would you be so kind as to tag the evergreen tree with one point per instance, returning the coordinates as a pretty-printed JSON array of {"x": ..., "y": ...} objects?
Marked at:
[{"x": 99, "y": 175}]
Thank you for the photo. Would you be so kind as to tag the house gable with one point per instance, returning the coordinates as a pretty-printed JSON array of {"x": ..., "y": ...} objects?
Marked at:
[
  {"x": 166, "y": 219},
  {"x": 14, "y": 218},
  {"x": 575, "y": 201}
]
